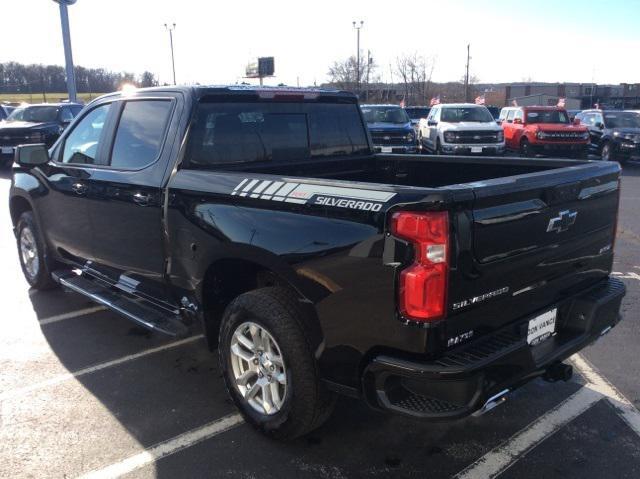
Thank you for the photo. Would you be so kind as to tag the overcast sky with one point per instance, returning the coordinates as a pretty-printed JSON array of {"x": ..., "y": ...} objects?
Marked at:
[{"x": 559, "y": 40}]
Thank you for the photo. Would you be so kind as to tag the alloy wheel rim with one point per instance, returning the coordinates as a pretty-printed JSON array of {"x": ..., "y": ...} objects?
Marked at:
[
  {"x": 258, "y": 368},
  {"x": 29, "y": 252}
]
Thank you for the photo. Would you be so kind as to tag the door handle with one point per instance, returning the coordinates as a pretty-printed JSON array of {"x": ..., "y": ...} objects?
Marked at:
[
  {"x": 141, "y": 199},
  {"x": 79, "y": 188}
]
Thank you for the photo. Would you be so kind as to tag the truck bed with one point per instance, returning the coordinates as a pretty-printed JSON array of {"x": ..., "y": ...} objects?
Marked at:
[{"x": 408, "y": 170}]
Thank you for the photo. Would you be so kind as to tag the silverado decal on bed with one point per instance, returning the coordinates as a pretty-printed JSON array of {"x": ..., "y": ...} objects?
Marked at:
[{"x": 338, "y": 196}]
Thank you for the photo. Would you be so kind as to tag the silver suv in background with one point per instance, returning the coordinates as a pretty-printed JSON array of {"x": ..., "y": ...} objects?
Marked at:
[{"x": 461, "y": 129}]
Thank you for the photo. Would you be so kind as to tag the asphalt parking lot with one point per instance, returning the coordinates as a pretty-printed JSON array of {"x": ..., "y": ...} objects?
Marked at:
[{"x": 84, "y": 392}]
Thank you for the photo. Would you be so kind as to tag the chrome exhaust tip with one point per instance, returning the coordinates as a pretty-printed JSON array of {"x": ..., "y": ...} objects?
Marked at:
[{"x": 492, "y": 402}]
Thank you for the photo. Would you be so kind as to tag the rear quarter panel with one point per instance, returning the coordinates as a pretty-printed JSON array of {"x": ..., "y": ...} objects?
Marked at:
[{"x": 332, "y": 256}]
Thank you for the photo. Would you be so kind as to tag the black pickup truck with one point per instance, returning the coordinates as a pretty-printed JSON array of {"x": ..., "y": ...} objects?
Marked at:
[{"x": 428, "y": 286}]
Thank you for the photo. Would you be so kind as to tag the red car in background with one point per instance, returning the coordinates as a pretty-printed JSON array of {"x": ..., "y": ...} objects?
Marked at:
[{"x": 533, "y": 130}]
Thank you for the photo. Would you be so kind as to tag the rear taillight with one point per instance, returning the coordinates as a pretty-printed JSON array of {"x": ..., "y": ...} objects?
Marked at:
[{"x": 422, "y": 291}]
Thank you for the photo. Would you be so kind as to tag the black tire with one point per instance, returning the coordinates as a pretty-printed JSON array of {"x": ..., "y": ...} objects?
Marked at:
[
  {"x": 420, "y": 145},
  {"x": 606, "y": 152},
  {"x": 580, "y": 155},
  {"x": 525, "y": 148},
  {"x": 27, "y": 231},
  {"x": 438, "y": 147},
  {"x": 307, "y": 403}
]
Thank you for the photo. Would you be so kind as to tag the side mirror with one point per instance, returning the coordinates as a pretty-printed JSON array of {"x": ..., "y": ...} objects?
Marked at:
[
  {"x": 32, "y": 155},
  {"x": 517, "y": 121}
]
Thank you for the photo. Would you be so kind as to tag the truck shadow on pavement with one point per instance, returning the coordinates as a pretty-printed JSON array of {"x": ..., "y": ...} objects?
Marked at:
[{"x": 159, "y": 396}]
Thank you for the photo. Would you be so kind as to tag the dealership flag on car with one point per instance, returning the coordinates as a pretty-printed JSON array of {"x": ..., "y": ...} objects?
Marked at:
[
  {"x": 480, "y": 100},
  {"x": 402, "y": 103},
  {"x": 561, "y": 102},
  {"x": 435, "y": 101}
]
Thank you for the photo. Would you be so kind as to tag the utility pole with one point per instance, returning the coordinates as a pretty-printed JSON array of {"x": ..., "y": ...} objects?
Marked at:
[
  {"x": 466, "y": 76},
  {"x": 66, "y": 40},
  {"x": 369, "y": 62},
  {"x": 171, "y": 28},
  {"x": 358, "y": 27}
]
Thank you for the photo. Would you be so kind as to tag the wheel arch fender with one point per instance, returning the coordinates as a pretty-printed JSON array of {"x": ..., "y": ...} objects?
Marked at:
[
  {"x": 228, "y": 276},
  {"x": 18, "y": 204}
]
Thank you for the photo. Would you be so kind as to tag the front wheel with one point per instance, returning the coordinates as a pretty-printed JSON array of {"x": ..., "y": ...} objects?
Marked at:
[
  {"x": 525, "y": 148},
  {"x": 269, "y": 366},
  {"x": 32, "y": 252},
  {"x": 438, "y": 147},
  {"x": 606, "y": 153}
]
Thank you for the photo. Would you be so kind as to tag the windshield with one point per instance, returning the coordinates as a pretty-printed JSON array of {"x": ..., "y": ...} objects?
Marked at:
[
  {"x": 384, "y": 114},
  {"x": 622, "y": 120},
  {"x": 547, "y": 116},
  {"x": 466, "y": 113},
  {"x": 417, "y": 113},
  {"x": 36, "y": 114}
]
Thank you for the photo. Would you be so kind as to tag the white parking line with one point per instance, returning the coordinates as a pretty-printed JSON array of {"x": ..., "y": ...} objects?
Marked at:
[
  {"x": 503, "y": 456},
  {"x": 71, "y": 314},
  {"x": 506, "y": 454},
  {"x": 165, "y": 449},
  {"x": 92, "y": 369},
  {"x": 598, "y": 383}
]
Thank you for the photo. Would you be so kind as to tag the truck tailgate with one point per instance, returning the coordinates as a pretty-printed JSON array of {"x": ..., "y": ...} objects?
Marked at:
[{"x": 529, "y": 241}]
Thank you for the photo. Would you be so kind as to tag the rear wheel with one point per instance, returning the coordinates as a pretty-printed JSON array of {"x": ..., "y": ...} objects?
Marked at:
[
  {"x": 269, "y": 365},
  {"x": 34, "y": 260}
]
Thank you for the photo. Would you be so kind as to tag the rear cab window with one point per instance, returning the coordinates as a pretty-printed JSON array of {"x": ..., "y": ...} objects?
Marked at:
[{"x": 262, "y": 132}]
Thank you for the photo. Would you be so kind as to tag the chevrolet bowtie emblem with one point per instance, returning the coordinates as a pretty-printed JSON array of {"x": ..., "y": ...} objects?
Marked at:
[{"x": 562, "y": 222}]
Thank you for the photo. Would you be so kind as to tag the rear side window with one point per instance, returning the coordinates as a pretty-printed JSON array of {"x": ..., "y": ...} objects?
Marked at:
[
  {"x": 140, "y": 133},
  {"x": 236, "y": 133}
]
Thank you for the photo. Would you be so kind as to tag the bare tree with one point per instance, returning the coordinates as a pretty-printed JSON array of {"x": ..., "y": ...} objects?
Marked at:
[
  {"x": 415, "y": 72},
  {"x": 344, "y": 74}
]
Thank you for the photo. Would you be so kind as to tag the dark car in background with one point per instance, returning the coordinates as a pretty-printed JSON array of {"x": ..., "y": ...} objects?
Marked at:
[
  {"x": 42, "y": 123},
  {"x": 390, "y": 127},
  {"x": 416, "y": 113},
  {"x": 495, "y": 111},
  {"x": 614, "y": 135}
]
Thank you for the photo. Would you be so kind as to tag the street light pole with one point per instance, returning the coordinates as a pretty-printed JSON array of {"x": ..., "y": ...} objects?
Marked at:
[
  {"x": 171, "y": 28},
  {"x": 358, "y": 27},
  {"x": 66, "y": 40}
]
